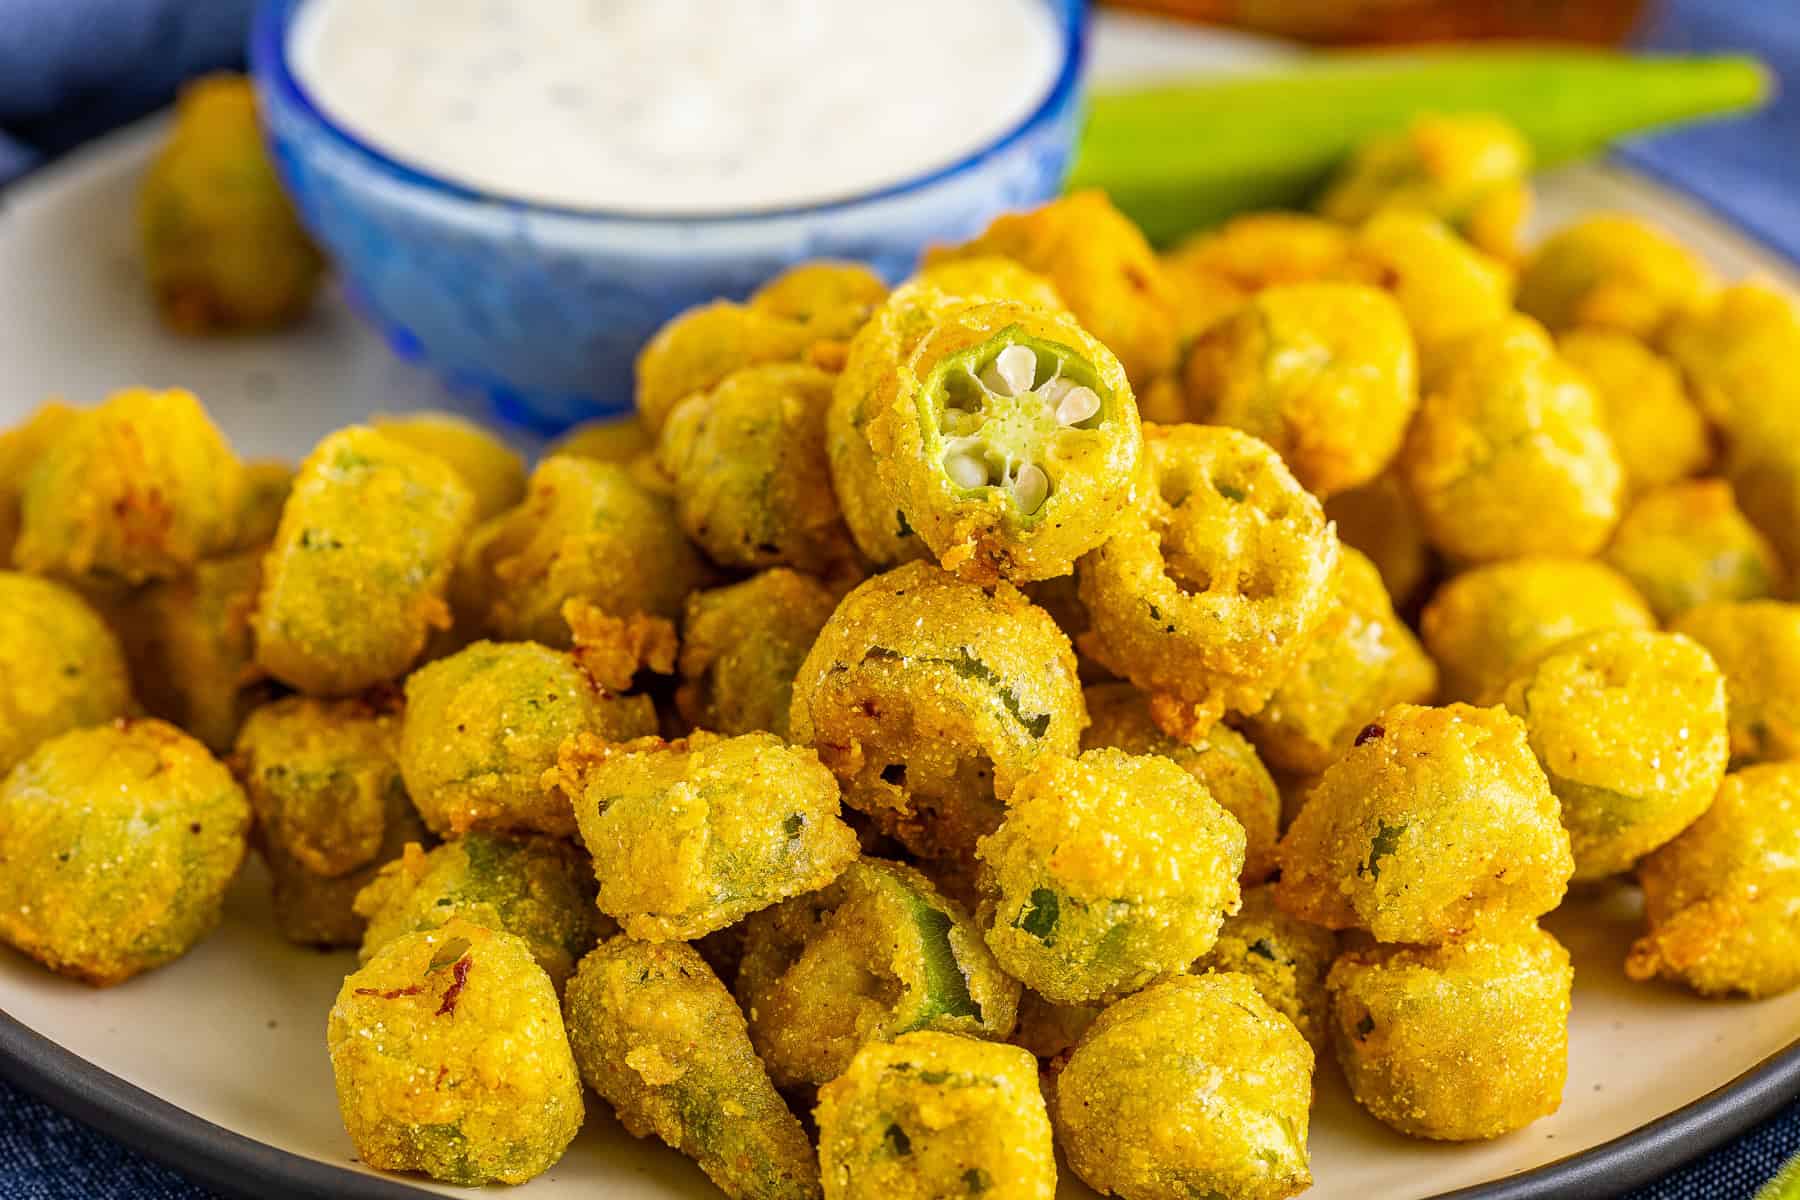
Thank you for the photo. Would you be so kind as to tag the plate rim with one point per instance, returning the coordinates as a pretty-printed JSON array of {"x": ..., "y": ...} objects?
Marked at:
[{"x": 240, "y": 1166}]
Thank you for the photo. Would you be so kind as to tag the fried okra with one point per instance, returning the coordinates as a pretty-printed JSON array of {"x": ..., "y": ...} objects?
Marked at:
[
  {"x": 1469, "y": 169},
  {"x": 1656, "y": 429},
  {"x": 20, "y": 449},
  {"x": 1361, "y": 660},
  {"x": 690, "y": 836},
  {"x": 1192, "y": 1087},
  {"x": 483, "y": 726},
  {"x": 1378, "y": 519},
  {"x": 1102, "y": 267},
  {"x": 1208, "y": 593},
  {"x": 1458, "y": 1042},
  {"x": 743, "y": 645},
  {"x": 1447, "y": 288},
  {"x": 223, "y": 248},
  {"x": 586, "y": 530},
  {"x": 539, "y": 889},
  {"x": 978, "y": 279},
  {"x": 1222, "y": 760},
  {"x": 751, "y": 480},
  {"x": 61, "y": 668},
  {"x": 1286, "y": 958},
  {"x": 877, "y": 954},
  {"x": 1109, "y": 871},
  {"x": 117, "y": 843},
  {"x": 1323, "y": 372},
  {"x": 1508, "y": 455},
  {"x": 1262, "y": 250},
  {"x": 622, "y": 440},
  {"x": 930, "y": 1115},
  {"x": 1438, "y": 821},
  {"x": 1483, "y": 626},
  {"x": 354, "y": 583},
  {"x": 1732, "y": 349},
  {"x": 450, "y": 1058},
  {"x": 191, "y": 650},
  {"x": 491, "y": 470},
  {"x": 1688, "y": 544},
  {"x": 805, "y": 313},
  {"x": 929, "y": 698},
  {"x": 323, "y": 780},
  {"x": 1757, "y": 645},
  {"x": 142, "y": 487},
  {"x": 1609, "y": 271},
  {"x": 658, "y": 1037},
  {"x": 1630, "y": 729},
  {"x": 1008, "y": 437},
  {"x": 1720, "y": 899}
]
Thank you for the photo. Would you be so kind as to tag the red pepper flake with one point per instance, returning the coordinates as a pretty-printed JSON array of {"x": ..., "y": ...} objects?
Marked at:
[
  {"x": 1369, "y": 733},
  {"x": 461, "y": 976},
  {"x": 395, "y": 994}
]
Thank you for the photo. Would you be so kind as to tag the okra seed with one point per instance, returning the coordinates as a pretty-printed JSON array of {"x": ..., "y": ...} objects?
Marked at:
[
  {"x": 965, "y": 470},
  {"x": 1077, "y": 405},
  {"x": 1030, "y": 488}
]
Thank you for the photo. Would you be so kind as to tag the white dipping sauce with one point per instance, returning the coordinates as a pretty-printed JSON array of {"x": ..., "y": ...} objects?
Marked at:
[{"x": 677, "y": 106}]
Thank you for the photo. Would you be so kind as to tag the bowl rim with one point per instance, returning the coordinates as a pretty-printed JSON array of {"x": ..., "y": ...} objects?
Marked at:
[{"x": 268, "y": 57}]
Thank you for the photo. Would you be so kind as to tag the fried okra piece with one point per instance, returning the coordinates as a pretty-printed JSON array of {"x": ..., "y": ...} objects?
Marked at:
[
  {"x": 1469, "y": 169},
  {"x": 1192, "y": 1087},
  {"x": 483, "y": 726},
  {"x": 1224, "y": 763},
  {"x": 690, "y": 836},
  {"x": 61, "y": 668},
  {"x": 936, "y": 1114},
  {"x": 1688, "y": 544},
  {"x": 1731, "y": 349},
  {"x": 978, "y": 279},
  {"x": 1658, "y": 432},
  {"x": 1485, "y": 625},
  {"x": 1286, "y": 958},
  {"x": 1630, "y": 729},
  {"x": 929, "y": 698},
  {"x": 223, "y": 248},
  {"x": 1508, "y": 455},
  {"x": 1109, "y": 871},
  {"x": 587, "y": 530},
  {"x": 1438, "y": 821},
  {"x": 751, "y": 480},
  {"x": 191, "y": 651},
  {"x": 539, "y": 889},
  {"x": 1379, "y": 521},
  {"x": 117, "y": 843},
  {"x": 1323, "y": 372},
  {"x": 493, "y": 472},
  {"x": 20, "y": 449},
  {"x": 1361, "y": 660},
  {"x": 1610, "y": 271},
  {"x": 659, "y": 1038},
  {"x": 1262, "y": 250},
  {"x": 1459, "y": 1042},
  {"x": 1719, "y": 900},
  {"x": 1102, "y": 267},
  {"x": 1757, "y": 645},
  {"x": 142, "y": 487},
  {"x": 743, "y": 645},
  {"x": 622, "y": 439},
  {"x": 798, "y": 315},
  {"x": 878, "y": 953},
  {"x": 354, "y": 583},
  {"x": 1447, "y": 288},
  {"x": 1009, "y": 439},
  {"x": 330, "y": 807},
  {"x": 451, "y": 1059},
  {"x": 1208, "y": 593}
]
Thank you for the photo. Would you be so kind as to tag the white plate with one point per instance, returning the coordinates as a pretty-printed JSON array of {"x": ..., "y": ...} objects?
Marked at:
[{"x": 234, "y": 1033}]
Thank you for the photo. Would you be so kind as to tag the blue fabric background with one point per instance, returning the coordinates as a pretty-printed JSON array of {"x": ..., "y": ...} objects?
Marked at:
[{"x": 72, "y": 68}]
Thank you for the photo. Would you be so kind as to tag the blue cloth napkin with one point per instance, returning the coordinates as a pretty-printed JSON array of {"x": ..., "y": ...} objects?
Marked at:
[{"x": 70, "y": 69}]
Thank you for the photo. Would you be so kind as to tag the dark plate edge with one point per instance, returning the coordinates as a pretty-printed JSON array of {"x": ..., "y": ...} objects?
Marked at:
[{"x": 238, "y": 1166}]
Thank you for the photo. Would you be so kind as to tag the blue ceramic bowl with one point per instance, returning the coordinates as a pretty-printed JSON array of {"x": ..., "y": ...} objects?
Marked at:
[{"x": 542, "y": 310}]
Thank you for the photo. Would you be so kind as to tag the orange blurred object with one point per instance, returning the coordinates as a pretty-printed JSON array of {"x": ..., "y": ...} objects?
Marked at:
[{"x": 1347, "y": 22}]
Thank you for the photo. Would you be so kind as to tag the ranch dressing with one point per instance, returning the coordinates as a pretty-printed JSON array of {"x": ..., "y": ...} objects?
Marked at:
[{"x": 683, "y": 107}]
